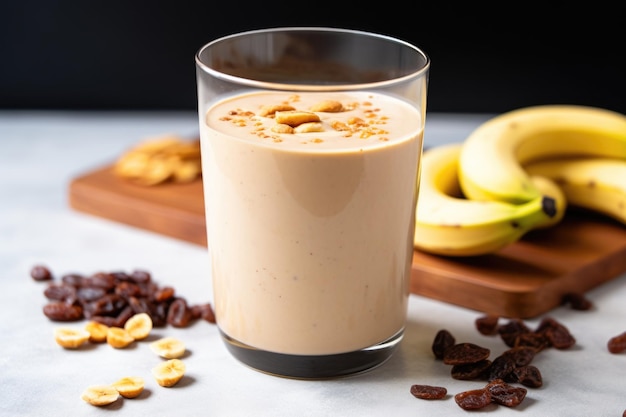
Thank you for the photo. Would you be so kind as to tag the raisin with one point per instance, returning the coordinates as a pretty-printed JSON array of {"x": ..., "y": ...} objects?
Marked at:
[
  {"x": 158, "y": 312},
  {"x": 487, "y": 325},
  {"x": 505, "y": 394},
  {"x": 109, "y": 305},
  {"x": 501, "y": 367},
  {"x": 470, "y": 371},
  {"x": 106, "y": 320},
  {"x": 546, "y": 323},
  {"x": 75, "y": 280},
  {"x": 443, "y": 340},
  {"x": 521, "y": 355},
  {"x": 179, "y": 313},
  {"x": 509, "y": 332},
  {"x": 617, "y": 344},
  {"x": 162, "y": 294},
  {"x": 473, "y": 399},
  {"x": 527, "y": 375},
  {"x": 127, "y": 289},
  {"x": 577, "y": 301},
  {"x": 536, "y": 341},
  {"x": 87, "y": 294},
  {"x": 140, "y": 305},
  {"x": 204, "y": 311},
  {"x": 60, "y": 292},
  {"x": 556, "y": 333},
  {"x": 121, "y": 276},
  {"x": 140, "y": 276},
  {"x": 461, "y": 353},
  {"x": 560, "y": 337},
  {"x": 428, "y": 392},
  {"x": 123, "y": 316},
  {"x": 61, "y": 311},
  {"x": 41, "y": 273},
  {"x": 103, "y": 280}
]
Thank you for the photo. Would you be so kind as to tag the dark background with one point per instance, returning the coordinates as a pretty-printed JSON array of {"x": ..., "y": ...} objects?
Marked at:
[{"x": 139, "y": 55}]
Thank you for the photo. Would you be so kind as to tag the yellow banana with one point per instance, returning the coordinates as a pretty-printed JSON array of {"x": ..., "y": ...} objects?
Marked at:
[
  {"x": 597, "y": 184},
  {"x": 449, "y": 224},
  {"x": 490, "y": 164}
]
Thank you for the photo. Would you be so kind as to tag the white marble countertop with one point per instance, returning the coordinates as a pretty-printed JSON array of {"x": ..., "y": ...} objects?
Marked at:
[{"x": 40, "y": 152}]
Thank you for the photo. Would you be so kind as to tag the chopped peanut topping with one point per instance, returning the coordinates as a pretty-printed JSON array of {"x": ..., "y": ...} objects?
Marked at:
[
  {"x": 355, "y": 119},
  {"x": 340, "y": 126}
]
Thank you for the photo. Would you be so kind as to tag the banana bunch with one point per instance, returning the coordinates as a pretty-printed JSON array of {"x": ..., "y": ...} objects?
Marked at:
[
  {"x": 517, "y": 172},
  {"x": 449, "y": 224}
]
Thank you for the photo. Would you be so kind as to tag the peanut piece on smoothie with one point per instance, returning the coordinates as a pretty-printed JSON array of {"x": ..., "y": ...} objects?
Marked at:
[
  {"x": 309, "y": 127},
  {"x": 282, "y": 128},
  {"x": 328, "y": 106},
  {"x": 295, "y": 117},
  {"x": 270, "y": 110},
  {"x": 357, "y": 121},
  {"x": 339, "y": 126}
]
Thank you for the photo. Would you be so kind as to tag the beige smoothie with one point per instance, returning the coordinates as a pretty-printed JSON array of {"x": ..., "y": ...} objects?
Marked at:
[{"x": 310, "y": 203}]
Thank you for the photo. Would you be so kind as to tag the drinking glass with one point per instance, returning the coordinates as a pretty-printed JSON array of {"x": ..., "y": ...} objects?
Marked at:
[{"x": 311, "y": 140}]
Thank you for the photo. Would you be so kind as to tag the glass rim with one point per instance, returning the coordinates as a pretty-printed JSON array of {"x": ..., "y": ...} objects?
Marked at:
[{"x": 421, "y": 72}]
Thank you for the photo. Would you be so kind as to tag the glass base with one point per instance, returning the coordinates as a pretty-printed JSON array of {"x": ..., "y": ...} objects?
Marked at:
[{"x": 313, "y": 366}]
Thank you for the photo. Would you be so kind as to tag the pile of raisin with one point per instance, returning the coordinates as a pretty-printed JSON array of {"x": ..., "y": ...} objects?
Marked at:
[
  {"x": 469, "y": 361},
  {"x": 111, "y": 298}
]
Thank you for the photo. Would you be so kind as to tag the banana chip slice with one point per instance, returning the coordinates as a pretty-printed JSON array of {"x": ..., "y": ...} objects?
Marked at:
[
  {"x": 168, "y": 348},
  {"x": 168, "y": 373},
  {"x": 139, "y": 326},
  {"x": 130, "y": 386},
  {"x": 119, "y": 338},
  {"x": 71, "y": 338},
  {"x": 97, "y": 331},
  {"x": 161, "y": 159},
  {"x": 100, "y": 395}
]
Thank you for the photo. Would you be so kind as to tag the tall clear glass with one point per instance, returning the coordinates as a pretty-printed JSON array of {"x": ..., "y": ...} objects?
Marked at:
[{"x": 311, "y": 141}]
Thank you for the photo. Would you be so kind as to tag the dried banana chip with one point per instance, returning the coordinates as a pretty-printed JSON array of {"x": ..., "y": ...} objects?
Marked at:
[
  {"x": 139, "y": 326},
  {"x": 97, "y": 331},
  {"x": 168, "y": 347},
  {"x": 119, "y": 338},
  {"x": 100, "y": 395},
  {"x": 161, "y": 159},
  {"x": 168, "y": 373},
  {"x": 130, "y": 386},
  {"x": 71, "y": 338}
]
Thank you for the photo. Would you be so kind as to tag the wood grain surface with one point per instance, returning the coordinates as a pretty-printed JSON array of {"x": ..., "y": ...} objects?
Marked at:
[{"x": 525, "y": 279}]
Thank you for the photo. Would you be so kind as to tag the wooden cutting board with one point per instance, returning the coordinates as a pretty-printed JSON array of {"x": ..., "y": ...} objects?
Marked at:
[{"x": 524, "y": 280}]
